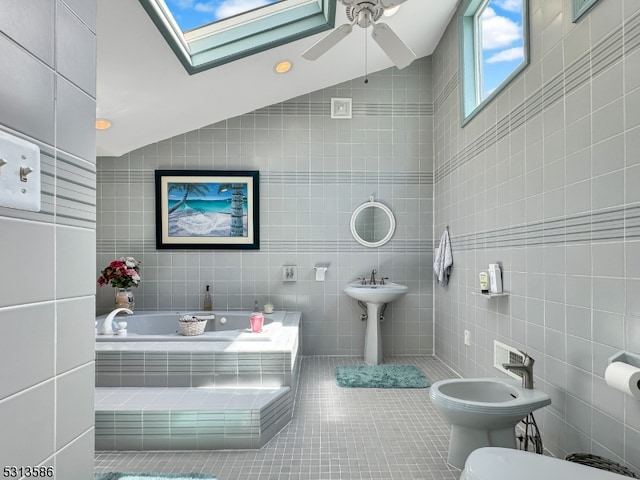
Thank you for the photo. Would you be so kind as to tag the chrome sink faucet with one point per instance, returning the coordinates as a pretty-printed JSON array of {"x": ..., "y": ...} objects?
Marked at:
[
  {"x": 525, "y": 369},
  {"x": 373, "y": 277}
]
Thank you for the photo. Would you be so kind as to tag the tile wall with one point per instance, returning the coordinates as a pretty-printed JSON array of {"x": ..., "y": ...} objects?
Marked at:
[
  {"x": 47, "y": 303},
  {"x": 314, "y": 171},
  {"x": 545, "y": 181}
]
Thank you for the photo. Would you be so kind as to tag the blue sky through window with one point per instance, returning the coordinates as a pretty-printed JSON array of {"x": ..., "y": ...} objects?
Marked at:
[
  {"x": 191, "y": 14},
  {"x": 502, "y": 48}
]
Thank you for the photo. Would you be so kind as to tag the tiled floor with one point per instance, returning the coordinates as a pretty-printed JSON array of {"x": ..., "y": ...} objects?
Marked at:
[{"x": 336, "y": 433}]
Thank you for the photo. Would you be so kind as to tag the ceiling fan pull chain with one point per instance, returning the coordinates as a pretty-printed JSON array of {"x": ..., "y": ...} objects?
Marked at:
[{"x": 366, "y": 55}]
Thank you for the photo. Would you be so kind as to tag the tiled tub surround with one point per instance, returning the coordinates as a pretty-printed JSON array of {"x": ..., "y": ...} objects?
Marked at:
[
  {"x": 163, "y": 326},
  {"x": 195, "y": 394}
]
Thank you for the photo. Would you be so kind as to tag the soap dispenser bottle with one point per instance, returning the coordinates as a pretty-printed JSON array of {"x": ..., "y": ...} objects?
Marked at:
[{"x": 207, "y": 304}]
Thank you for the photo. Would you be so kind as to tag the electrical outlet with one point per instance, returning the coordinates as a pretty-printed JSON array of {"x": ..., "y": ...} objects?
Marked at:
[
  {"x": 289, "y": 273},
  {"x": 467, "y": 338}
]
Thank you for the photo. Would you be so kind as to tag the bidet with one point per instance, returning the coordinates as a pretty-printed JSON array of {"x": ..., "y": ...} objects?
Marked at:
[{"x": 483, "y": 412}]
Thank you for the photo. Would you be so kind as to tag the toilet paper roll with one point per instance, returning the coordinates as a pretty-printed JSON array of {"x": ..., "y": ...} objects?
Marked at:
[
  {"x": 623, "y": 377},
  {"x": 320, "y": 271}
]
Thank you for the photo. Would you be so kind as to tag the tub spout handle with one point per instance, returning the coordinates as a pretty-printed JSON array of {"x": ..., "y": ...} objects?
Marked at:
[{"x": 107, "y": 326}]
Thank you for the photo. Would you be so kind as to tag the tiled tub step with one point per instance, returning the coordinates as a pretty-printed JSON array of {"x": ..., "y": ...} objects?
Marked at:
[{"x": 148, "y": 418}]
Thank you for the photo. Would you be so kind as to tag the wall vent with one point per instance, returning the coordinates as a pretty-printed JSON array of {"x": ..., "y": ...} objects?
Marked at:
[{"x": 505, "y": 354}]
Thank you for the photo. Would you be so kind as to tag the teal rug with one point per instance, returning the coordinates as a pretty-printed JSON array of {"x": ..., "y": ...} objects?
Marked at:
[
  {"x": 151, "y": 476},
  {"x": 380, "y": 376}
]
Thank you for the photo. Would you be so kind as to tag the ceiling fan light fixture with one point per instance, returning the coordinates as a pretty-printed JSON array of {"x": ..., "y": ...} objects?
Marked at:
[{"x": 283, "y": 67}]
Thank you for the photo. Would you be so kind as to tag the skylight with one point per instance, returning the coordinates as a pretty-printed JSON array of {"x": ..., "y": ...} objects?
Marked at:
[
  {"x": 206, "y": 33},
  {"x": 192, "y": 14}
]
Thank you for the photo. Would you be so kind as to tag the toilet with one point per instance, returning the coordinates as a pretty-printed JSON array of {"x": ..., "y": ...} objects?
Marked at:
[{"x": 497, "y": 463}]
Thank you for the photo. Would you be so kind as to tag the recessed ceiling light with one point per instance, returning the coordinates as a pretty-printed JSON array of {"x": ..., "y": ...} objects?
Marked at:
[
  {"x": 283, "y": 67},
  {"x": 391, "y": 11},
  {"x": 102, "y": 124}
]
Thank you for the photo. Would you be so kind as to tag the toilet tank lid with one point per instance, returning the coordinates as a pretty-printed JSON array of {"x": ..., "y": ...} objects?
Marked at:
[{"x": 494, "y": 463}]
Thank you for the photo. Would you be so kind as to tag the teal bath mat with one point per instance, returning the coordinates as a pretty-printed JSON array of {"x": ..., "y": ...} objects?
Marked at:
[
  {"x": 151, "y": 476},
  {"x": 380, "y": 376}
]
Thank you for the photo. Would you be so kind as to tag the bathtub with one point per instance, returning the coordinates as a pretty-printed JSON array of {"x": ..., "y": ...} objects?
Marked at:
[{"x": 158, "y": 326}]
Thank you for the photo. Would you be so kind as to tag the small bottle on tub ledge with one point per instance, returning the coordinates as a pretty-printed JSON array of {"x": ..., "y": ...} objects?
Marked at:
[{"x": 207, "y": 304}]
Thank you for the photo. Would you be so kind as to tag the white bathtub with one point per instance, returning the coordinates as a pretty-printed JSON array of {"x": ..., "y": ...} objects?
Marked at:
[{"x": 154, "y": 326}]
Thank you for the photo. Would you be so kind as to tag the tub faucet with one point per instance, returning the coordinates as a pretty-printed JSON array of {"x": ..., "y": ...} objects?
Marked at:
[
  {"x": 373, "y": 277},
  {"x": 525, "y": 369},
  {"x": 107, "y": 326}
]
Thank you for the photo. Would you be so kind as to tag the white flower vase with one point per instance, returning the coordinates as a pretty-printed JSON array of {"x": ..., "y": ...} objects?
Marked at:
[{"x": 125, "y": 298}]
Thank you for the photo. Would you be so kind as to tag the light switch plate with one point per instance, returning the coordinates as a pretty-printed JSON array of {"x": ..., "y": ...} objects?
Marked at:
[
  {"x": 19, "y": 173},
  {"x": 289, "y": 273}
]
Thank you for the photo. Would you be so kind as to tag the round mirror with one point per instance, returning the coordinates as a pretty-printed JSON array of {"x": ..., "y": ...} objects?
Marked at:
[{"x": 372, "y": 224}]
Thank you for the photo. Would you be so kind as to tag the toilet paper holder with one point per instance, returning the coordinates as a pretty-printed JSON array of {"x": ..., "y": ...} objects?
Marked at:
[
  {"x": 321, "y": 269},
  {"x": 626, "y": 357}
]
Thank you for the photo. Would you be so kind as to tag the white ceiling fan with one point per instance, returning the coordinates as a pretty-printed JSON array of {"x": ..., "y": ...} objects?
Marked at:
[{"x": 365, "y": 13}]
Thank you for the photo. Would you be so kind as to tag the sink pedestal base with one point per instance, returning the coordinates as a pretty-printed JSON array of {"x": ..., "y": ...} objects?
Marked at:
[
  {"x": 373, "y": 338},
  {"x": 465, "y": 440}
]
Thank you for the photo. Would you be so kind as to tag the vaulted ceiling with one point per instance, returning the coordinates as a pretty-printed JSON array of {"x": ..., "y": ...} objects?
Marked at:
[{"x": 143, "y": 89}]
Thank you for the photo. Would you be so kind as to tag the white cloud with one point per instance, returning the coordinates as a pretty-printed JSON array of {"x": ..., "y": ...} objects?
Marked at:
[
  {"x": 228, "y": 8},
  {"x": 205, "y": 8},
  {"x": 498, "y": 31},
  {"x": 510, "y": 5},
  {"x": 516, "y": 53}
]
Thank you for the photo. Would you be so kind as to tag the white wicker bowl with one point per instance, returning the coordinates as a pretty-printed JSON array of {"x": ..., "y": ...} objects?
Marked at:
[{"x": 192, "y": 328}]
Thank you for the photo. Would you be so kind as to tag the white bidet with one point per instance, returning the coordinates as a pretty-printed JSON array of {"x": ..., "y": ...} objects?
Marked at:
[{"x": 483, "y": 412}]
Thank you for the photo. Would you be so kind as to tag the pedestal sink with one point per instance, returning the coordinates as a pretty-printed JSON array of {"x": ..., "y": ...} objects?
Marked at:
[{"x": 375, "y": 296}]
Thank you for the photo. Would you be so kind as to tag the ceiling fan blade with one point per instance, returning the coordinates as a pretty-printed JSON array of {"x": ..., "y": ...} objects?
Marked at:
[
  {"x": 387, "y": 4},
  {"x": 398, "y": 51},
  {"x": 326, "y": 42}
]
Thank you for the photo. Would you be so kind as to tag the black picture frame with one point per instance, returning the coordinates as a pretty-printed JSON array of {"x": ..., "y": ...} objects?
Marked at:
[{"x": 207, "y": 209}]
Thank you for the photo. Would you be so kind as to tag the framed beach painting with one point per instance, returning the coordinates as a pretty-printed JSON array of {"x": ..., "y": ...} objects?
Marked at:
[{"x": 201, "y": 209}]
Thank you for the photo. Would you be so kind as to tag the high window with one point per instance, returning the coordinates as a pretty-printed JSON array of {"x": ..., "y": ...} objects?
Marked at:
[{"x": 494, "y": 49}]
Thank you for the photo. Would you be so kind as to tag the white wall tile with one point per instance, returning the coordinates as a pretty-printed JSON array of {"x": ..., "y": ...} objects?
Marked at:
[
  {"x": 27, "y": 341},
  {"x": 74, "y": 404},
  {"x": 28, "y": 252},
  {"x": 26, "y": 94},
  {"x": 75, "y": 250},
  {"x": 30, "y": 25},
  {"x": 75, "y": 119},
  {"x": 75, "y": 51},
  {"x": 28, "y": 419},
  {"x": 75, "y": 332},
  {"x": 76, "y": 459}
]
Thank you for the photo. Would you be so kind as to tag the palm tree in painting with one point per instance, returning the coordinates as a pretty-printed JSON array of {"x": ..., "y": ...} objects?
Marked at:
[
  {"x": 189, "y": 189},
  {"x": 237, "y": 201}
]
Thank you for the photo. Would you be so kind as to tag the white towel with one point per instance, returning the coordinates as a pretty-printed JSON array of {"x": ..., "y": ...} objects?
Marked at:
[{"x": 443, "y": 259}]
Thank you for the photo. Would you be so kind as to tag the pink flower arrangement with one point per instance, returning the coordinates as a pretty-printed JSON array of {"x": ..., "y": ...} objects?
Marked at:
[{"x": 121, "y": 273}]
